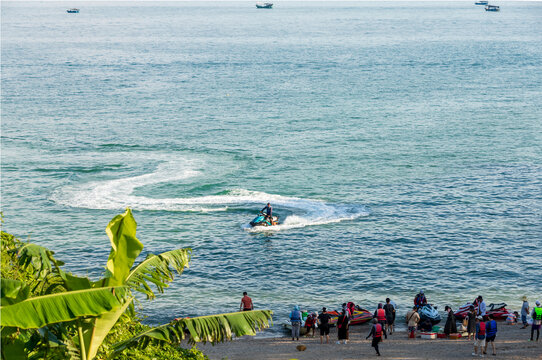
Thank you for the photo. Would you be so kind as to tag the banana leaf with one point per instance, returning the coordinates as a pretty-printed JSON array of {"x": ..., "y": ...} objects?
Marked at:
[
  {"x": 96, "y": 329},
  {"x": 125, "y": 248},
  {"x": 39, "y": 311},
  {"x": 39, "y": 257},
  {"x": 13, "y": 291},
  {"x": 211, "y": 328},
  {"x": 156, "y": 269}
]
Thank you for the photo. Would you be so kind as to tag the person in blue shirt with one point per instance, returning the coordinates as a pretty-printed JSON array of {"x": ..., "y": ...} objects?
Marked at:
[
  {"x": 491, "y": 333},
  {"x": 268, "y": 212},
  {"x": 295, "y": 319}
]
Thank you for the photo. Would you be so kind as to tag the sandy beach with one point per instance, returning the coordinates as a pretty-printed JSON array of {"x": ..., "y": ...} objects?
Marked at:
[{"x": 512, "y": 343}]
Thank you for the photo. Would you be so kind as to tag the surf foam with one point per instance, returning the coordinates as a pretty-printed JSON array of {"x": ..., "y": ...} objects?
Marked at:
[{"x": 118, "y": 194}]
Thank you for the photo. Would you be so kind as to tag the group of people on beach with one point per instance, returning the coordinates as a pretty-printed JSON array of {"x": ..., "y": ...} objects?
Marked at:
[{"x": 478, "y": 324}]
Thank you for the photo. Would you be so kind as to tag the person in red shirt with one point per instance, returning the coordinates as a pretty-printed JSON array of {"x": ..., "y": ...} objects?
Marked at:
[{"x": 246, "y": 303}]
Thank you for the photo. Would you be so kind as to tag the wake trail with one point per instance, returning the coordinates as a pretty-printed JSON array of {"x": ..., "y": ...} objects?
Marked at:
[{"x": 118, "y": 194}]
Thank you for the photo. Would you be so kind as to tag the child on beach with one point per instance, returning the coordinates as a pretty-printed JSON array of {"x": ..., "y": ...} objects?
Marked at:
[
  {"x": 480, "y": 338},
  {"x": 376, "y": 332}
]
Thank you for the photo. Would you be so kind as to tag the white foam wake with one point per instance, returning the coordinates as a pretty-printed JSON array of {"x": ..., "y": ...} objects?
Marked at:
[{"x": 118, "y": 194}]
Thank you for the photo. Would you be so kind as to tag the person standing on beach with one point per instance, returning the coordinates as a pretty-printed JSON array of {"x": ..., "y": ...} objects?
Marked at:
[
  {"x": 295, "y": 320},
  {"x": 323, "y": 324},
  {"x": 376, "y": 332},
  {"x": 537, "y": 320},
  {"x": 380, "y": 315},
  {"x": 481, "y": 307},
  {"x": 412, "y": 319},
  {"x": 342, "y": 327},
  {"x": 480, "y": 338},
  {"x": 524, "y": 312},
  {"x": 246, "y": 303},
  {"x": 310, "y": 323},
  {"x": 390, "y": 315},
  {"x": 471, "y": 323},
  {"x": 450, "y": 327},
  {"x": 491, "y": 333}
]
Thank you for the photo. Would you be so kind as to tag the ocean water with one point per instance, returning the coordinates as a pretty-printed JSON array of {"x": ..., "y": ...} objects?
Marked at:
[{"x": 401, "y": 144}]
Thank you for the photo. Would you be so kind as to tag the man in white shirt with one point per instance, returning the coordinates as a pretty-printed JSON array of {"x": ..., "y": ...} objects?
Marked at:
[{"x": 481, "y": 307}]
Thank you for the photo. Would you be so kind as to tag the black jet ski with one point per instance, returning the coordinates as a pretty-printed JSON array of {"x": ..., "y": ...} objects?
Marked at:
[{"x": 261, "y": 220}]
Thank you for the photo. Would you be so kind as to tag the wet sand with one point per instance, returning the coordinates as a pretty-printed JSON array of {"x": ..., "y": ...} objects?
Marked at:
[{"x": 512, "y": 343}]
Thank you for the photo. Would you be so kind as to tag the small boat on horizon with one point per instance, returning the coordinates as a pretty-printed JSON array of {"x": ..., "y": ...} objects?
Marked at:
[
  {"x": 493, "y": 8},
  {"x": 72, "y": 11},
  {"x": 264, "y": 5},
  {"x": 481, "y": 2}
]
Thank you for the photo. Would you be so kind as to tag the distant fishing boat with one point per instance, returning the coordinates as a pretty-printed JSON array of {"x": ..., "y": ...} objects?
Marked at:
[
  {"x": 73, "y": 11},
  {"x": 264, "y": 5},
  {"x": 481, "y": 2},
  {"x": 492, "y": 8}
]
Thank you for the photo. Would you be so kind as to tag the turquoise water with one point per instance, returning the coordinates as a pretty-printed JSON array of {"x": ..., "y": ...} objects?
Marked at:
[{"x": 401, "y": 143}]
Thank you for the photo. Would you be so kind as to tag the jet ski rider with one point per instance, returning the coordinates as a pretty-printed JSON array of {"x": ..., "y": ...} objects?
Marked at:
[
  {"x": 268, "y": 212},
  {"x": 420, "y": 299}
]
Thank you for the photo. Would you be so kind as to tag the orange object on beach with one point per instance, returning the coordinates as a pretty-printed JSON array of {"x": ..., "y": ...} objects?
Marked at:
[{"x": 455, "y": 336}]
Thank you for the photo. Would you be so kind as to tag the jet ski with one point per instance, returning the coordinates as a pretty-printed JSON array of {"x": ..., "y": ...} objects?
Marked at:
[
  {"x": 499, "y": 311},
  {"x": 261, "y": 220},
  {"x": 427, "y": 311}
]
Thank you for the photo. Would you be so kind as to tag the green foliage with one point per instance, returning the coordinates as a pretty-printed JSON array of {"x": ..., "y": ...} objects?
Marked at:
[
  {"x": 49, "y": 313},
  {"x": 128, "y": 327}
]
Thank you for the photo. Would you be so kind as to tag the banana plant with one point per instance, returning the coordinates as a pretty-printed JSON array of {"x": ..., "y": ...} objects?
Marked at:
[{"x": 91, "y": 309}]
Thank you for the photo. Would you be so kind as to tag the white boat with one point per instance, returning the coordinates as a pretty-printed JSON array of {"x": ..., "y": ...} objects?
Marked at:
[
  {"x": 481, "y": 2},
  {"x": 264, "y": 5},
  {"x": 492, "y": 8},
  {"x": 73, "y": 11}
]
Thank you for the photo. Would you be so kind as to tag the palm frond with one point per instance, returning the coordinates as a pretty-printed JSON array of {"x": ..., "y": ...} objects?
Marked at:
[
  {"x": 39, "y": 311},
  {"x": 158, "y": 270},
  {"x": 211, "y": 328}
]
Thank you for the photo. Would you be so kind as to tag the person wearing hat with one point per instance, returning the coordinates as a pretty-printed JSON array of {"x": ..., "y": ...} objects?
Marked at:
[
  {"x": 295, "y": 319},
  {"x": 420, "y": 299},
  {"x": 524, "y": 312},
  {"x": 323, "y": 324},
  {"x": 480, "y": 338},
  {"x": 537, "y": 320}
]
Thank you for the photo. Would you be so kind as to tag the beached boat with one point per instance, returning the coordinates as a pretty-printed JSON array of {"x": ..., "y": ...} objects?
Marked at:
[
  {"x": 493, "y": 8},
  {"x": 499, "y": 311},
  {"x": 360, "y": 316},
  {"x": 264, "y": 5},
  {"x": 73, "y": 11},
  {"x": 481, "y": 2}
]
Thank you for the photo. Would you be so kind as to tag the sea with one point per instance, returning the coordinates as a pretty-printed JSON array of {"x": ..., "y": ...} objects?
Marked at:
[{"x": 399, "y": 142}]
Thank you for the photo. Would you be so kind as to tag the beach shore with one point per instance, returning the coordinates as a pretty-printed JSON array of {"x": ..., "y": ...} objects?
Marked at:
[{"x": 512, "y": 343}]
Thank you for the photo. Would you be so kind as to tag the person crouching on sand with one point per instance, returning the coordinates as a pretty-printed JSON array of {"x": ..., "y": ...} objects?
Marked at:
[{"x": 376, "y": 332}]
